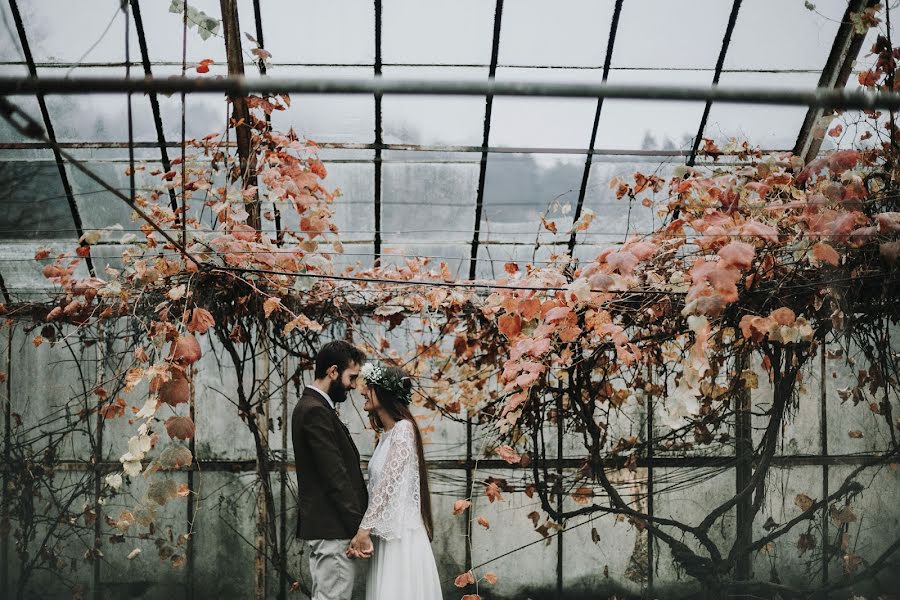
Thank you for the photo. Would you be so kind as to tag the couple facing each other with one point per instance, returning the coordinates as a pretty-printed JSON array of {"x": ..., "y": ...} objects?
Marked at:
[{"x": 341, "y": 518}]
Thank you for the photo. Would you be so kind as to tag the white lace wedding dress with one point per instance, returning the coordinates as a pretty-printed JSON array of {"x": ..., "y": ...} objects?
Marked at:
[{"x": 402, "y": 565}]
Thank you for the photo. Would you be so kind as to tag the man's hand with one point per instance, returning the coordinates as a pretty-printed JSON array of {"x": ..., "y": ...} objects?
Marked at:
[{"x": 361, "y": 545}]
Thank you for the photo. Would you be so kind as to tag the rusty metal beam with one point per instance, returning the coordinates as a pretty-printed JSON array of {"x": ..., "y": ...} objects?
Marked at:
[
  {"x": 241, "y": 113},
  {"x": 835, "y": 74}
]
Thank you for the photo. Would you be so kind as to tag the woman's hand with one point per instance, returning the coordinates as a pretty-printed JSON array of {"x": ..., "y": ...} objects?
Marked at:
[{"x": 361, "y": 545}]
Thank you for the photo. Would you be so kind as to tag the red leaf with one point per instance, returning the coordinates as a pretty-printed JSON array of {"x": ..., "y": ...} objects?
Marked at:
[
  {"x": 510, "y": 325},
  {"x": 460, "y": 506},
  {"x": 738, "y": 254},
  {"x": 465, "y": 579},
  {"x": 180, "y": 428},
  {"x": 826, "y": 254},
  {"x": 509, "y": 455}
]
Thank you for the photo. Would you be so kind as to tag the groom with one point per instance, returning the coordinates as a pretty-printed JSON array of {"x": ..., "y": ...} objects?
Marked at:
[{"x": 331, "y": 488}]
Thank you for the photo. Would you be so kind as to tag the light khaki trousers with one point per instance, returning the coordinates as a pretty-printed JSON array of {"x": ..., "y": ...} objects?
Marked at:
[{"x": 332, "y": 571}]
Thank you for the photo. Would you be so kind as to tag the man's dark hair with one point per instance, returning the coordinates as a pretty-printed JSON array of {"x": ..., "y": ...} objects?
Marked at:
[{"x": 338, "y": 353}]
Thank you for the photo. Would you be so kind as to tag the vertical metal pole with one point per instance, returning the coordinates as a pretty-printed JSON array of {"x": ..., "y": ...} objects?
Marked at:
[
  {"x": 192, "y": 486},
  {"x": 823, "y": 437},
  {"x": 470, "y": 464},
  {"x": 743, "y": 471},
  {"x": 7, "y": 451},
  {"x": 97, "y": 462},
  {"x": 378, "y": 138},
  {"x": 650, "y": 409},
  {"x": 282, "y": 588},
  {"x": 262, "y": 513},
  {"x": 559, "y": 495}
]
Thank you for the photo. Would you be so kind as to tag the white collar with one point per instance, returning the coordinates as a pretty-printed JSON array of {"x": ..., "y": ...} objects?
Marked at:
[{"x": 326, "y": 396}]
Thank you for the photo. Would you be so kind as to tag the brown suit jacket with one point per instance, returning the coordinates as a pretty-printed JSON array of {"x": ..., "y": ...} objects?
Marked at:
[{"x": 330, "y": 484}]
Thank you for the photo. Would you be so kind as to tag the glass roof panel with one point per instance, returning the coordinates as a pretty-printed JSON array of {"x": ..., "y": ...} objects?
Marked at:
[
  {"x": 100, "y": 208},
  {"x": 648, "y": 124},
  {"x": 10, "y": 49},
  {"x": 543, "y": 122},
  {"x": 33, "y": 200},
  {"x": 519, "y": 188},
  {"x": 315, "y": 32},
  {"x": 436, "y": 31},
  {"x": 770, "y": 127},
  {"x": 428, "y": 202},
  {"x": 328, "y": 117},
  {"x": 164, "y": 31},
  {"x": 433, "y": 120},
  {"x": 100, "y": 27},
  {"x": 774, "y": 34},
  {"x": 665, "y": 35},
  {"x": 566, "y": 33},
  {"x": 99, "y": 117}
]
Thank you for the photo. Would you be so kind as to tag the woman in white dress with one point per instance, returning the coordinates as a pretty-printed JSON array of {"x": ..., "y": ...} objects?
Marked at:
[{"x": 396, "y": 530}]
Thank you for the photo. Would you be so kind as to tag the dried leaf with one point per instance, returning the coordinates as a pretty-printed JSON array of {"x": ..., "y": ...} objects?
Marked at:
[
  {"x": 464, "y": 579},
  {"x": 460, "y": 506},
  {"x": 484, "y": 522}
]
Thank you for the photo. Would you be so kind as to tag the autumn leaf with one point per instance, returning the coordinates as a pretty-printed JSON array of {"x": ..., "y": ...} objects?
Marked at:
[
  {"x": 836, "y": 131},
  {"x": 508, "y": 454},
  {"x": 201, "y": 320},
  {"x": 535, "y": 517},
  {"x": 302, "y": 321},
  {"x": 491, "y": 578},
  {"x": 271, "y": 305},
  {"x": 806, "y": 542},
  {"x": 823, "y": 253},
  {"x": 38, "y": 340},
  {"x": 583, "y": 495},
  {"x": 471, "y": 597},
  {"x": 492, "y": 491},
  {"x": 484, "y": 522},
  {"x": 595, "y": 536},
  {"x": 464, "y": 579},
  {"x": 856, "y": 434},
  {"x": 177, "y": 292},
  {"x": 180, "y": 428},
  {"x": 511, "y": 268},
  {"x": 804, "y": 502},
  {"x": 509, "y": 325},
  {"x": 460, "y": 507}
]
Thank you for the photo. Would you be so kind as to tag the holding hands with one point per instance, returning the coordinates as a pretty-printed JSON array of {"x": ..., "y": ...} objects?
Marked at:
[{"x": 361, "y": 545}]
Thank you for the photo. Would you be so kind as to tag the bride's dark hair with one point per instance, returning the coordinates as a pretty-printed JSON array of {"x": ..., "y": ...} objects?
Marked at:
[{"x": 392, "y": 403}]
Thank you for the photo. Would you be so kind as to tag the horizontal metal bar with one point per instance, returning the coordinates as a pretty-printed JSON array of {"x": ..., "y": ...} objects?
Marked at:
[
  {"x": 242, "y": 86},
  {"x": 392, "y": 147},
  {"x": 238, "y": 466},
  {"x": 254, "y": 63}
]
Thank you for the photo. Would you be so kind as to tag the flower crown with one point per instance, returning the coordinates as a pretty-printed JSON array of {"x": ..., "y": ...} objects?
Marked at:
[{"x": 377, "y": 375}]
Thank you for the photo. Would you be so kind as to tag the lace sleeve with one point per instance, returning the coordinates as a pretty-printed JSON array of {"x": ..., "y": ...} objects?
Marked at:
[{"x": 394, "y": 500}]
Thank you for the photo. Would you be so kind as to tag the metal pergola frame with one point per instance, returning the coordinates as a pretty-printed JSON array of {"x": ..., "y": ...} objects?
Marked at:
[{"x": 829, "y": 95}]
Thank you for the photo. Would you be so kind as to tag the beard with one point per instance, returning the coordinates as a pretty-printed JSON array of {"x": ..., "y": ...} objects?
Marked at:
[{"x": 337, "y": 392}]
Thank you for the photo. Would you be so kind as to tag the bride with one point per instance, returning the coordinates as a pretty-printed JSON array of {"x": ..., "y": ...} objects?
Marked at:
[{"x": 397, "y": 529}]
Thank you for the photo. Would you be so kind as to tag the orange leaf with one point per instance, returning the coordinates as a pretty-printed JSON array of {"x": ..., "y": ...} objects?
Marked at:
[
  {"x": 271, "y": 305},
  {"x": 484, "y": 522},
  {"x": 201, "y": 321},
  {"x": 471, "y": 597},
  {"x": 464, "y": 579},
  {"x": 508, "y": 454},
  {"x": 491, "y": 578},
  {"x": 510, "y": 325},
  {"x": 583, "y": 495},
  {"x": 824, "y": 253},
  {"x": 460, "y": 506},
  {"x": 511, "y": 268},
  {"x": 180, "y": 428},
  {"x": 493, "y": 492}
]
